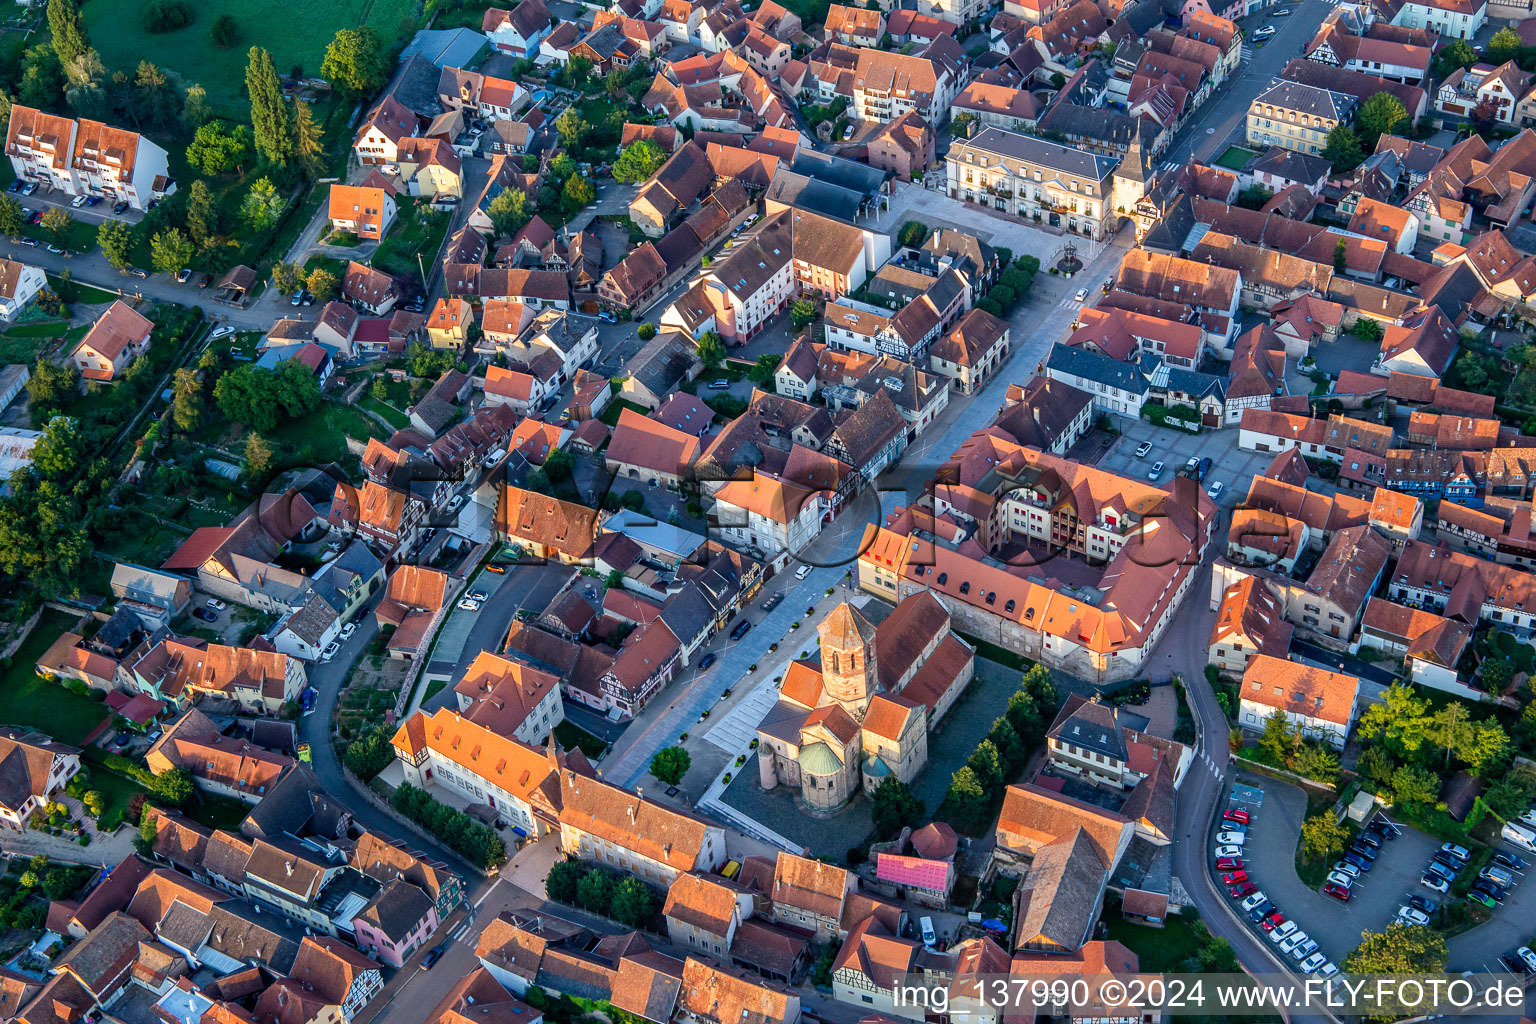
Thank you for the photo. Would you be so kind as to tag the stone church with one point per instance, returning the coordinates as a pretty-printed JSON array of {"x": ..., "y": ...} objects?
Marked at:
[{"x": 860, "y": 710}]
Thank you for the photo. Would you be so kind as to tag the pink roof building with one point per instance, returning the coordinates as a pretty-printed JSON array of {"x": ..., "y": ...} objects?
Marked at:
[{"x": 915, "y": 873}]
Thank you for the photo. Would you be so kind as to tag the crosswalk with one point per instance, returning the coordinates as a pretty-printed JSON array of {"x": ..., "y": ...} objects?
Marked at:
[
  {"x": 458, "y": 933},
  {"x": 1170, "y": 166}
]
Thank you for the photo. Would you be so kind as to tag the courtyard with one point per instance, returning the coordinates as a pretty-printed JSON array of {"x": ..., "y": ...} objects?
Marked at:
[{"x": 937, "y": 210}]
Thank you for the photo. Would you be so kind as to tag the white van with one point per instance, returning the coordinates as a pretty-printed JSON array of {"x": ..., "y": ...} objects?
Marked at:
[
  {"x": 1520, "y": 836},
  {"x": 929, "y": 938}
]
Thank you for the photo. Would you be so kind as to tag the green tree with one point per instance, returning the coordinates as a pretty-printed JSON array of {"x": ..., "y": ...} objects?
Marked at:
[
  {"x": 225, "y": 31},
  {"x": 1322, "y": 835},
  {"x": 892, "y": 807},
  {"x": 1279, "y": 739},
  {"x": 670, "y": 764},
  {"x": 52, "y": 384},
  {"x": 157, "y": 101},
  {"x": 263, "y": 204},
  {"x": 764, "y": 370},
  {"x": 967, "y": 800},
  {"x": 595, "y": 892},
  {"x": 559, "y": 464},
  {"x": 258, "y": 456},
  {"x": 1504, "y": 46},
  {"x": 1400, "y": 717},
  {"x": 1495, "y": 673},
  {"x": 1343, "y": 149},
  {"x": 263, "y": 398},
  {"x": 370, "y": 753},
  {"x": 57, "y": 222},
  {"x": 355, "y": 62},
  {"x": 563, "y": 880},
  {"x": 577, "y": 194},
  {"x": 1458, "y": 53},
  {"x": 117, "y": 241},
  {"x": 646, "y": 331},
  {"x": 1380, "y": 115},
  {"x": 1486, "y": 749},
  {"x": 1414, "y": 785},
  {"x": 287, "y": 277},
  {"x": 711, "y": 350},
  {"x": 12, "y": 215},
  {"x": 42, "y": 77},
  {"x": 1450, "y": 728},
  {"x": 1340, "y": 256},
  {"x": 1041, "y": 685},
  {"x": 323, "y": 284},
  {"x": 271, "y": 129},
  {"x": 1024, "y": 716},
  {"x": 380, "y": 388},
  {"x": 1510, "y": 794},
  {"x": 573, "y": 130},
  {"x": 173, "y": 788},
  {"x": 308, "y": 140},
  {"x": 218, "y": 147},
  {"x": 83, "y": 79},
  {"x": 57, "y": 454},
  {"x": 638, "y": 161},
  {"x": 633, "y": 903},
  {"x": 170, "y": 250},
  {"x": 202, "y": 215},
  {"x": 509, "y": 211},
  {"x": 1399, "y": 949},
  {"x": 67, "y": 26},
  {"x": 195, "y": 111},
  {"x": 987, "y": 763},
  {"x": 802, "y": 312},
  {"x": 1009, "y": 747},
  {"x": 1316, "y": 761},
  {"x": 1366, "y": 329},
  {"x": 187, "y": 401},
  {"x": 912, "y": 233},
  {"x": 144, "y": 843}
]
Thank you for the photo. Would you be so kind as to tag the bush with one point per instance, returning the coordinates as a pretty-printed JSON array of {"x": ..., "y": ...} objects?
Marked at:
[
  {"x": 165, "y": 15},
  {"x": 478, "y": 843}
]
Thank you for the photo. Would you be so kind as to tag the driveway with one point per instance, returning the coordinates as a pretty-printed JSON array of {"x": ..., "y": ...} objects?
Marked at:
[
  {"x": 1229, "y": 466},
  {"x": 1336, "y": 927}
]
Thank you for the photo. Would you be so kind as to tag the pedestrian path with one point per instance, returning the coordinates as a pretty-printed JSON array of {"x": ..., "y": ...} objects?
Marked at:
[{"x": 735, "y": 731}]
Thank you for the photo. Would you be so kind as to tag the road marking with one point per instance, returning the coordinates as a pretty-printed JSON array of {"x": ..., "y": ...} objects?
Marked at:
[
  {"x": 458, "y": 933},
  {"x": 487, "y": 893}
]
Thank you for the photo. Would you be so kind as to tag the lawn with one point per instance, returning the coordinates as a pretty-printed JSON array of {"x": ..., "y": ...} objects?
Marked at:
[
  {"x": 413, "y": 242},
  {"x": 324, "y": 433},
  {"x": 147, "y": 543},
  {"x": 216, "y": 812},
  {"x": 571, "y": 736},
  {"x": 31, "y": 701},
  {"x": 116, "y": 790},
  {"x": 81, "y": 236},
  {"x": 1160, "y": 949},
  {"x": 1235, "y": 158},
  {"x": 393, "y": 416},
  {"x": 74, "y": 291},
  {"x": 616, "y": 409},
  {"x": 295, "y": 34}
]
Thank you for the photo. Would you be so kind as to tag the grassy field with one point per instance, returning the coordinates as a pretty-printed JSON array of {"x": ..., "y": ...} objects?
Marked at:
[
  {"x": 1235, "y": 158},
  {"x": 295, "y": 34},
  {"x": 116, "y": 790},
  {"x": 29, "y": 700},
  {"x": 393, "y": 416},
  {"x": 325, "y": 432},
  {"x": 417, "y": 233}
]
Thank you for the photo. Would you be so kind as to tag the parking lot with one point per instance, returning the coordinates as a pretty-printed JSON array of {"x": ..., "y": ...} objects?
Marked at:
[
  {"x": 1233, "y": 468},
  {"x": 41, "y": 199},
  {"x": 1269, "y": 859}
]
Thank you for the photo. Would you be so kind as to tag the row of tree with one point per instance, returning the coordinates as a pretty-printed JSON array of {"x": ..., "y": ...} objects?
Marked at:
[
  {"x": 475, "y": 842},
  {"x": 976, "y": 787},
  {"x": 624, "y": 898}
]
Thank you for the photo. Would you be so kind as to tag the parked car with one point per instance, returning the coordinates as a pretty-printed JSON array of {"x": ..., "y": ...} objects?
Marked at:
[
  {"x": 1229, "y": 864},
  {"x": 1385, "y": 828},
  {"x": 1232, "y": 838},
  {"x": 348, "y": 630},
  {"x": 1374, "y": 842},
  {"x": 1411, "y": 915},
  {"x": 204, "y": 614},
  {"x": 136, "y": 272},
  {"x": 77, "y": 202},
  {"x": 205, "y": 281},
  {"x": 120, "y": 207},
  {"x": 1364, "y": 849},
  {"x": 1264, "y": 33},
  {"x": 1234, "y": 877},
  {"x": 741, "y": 629},
  {"x": 29, "y": 188},
  {"x": 298, "y": 298},
  {"x": 1156, "y": 470},
  {"x": 433, "y": 956},
  {"x": 1304, "y": 948},
  {"x": 1282, "y": 931},
  {"x": 1434, "y": 883},
  {"x": 1143, "y": 448},
  {"x": 1254, "y": 901},
  {"x": 1340, "y": 878},
  {"x": 1215, "y": 490},
  {"x": 706, "y": 661},
  {"x": 1418, "y": 902},
  {"x": 1481, "y": 897},
  {"x": 15, "y": 186},
  {"x": 1328, "y": 970},
  {"x": 1235, "y": 826},
  {"x": 469, "y": 604},
  {"x": 802, "y": 572},
  {"x": 30, "y": 243},
  {"x": 1446, "y": 860},
  {"x": 1350, "y": 857},
  {"x": 1509, "y": 860},
  {"x": 215, "y": 604},
  {"x": 1235, "y": 814},
  {"x": 1081, "y": 296},
  {"x": 478, "y": 594},
  {"x": 93, "y": 200},
  {"x": 719, "y": 385},
  {"x": 499, "y": 570},
  {"x": 1192, "y": 464},
  {"x": 1293, "y": 941},
  {"x": 1447, "y": 873},
  {"x": 1260, "y": 912},
  {"x": 1527, "y": 957},
  {"x": 183, "y": 275},
  {"x": 55, "y": 250},
  {"x": 1337, "y": 891},
  {"x": 1497, "y": 875},
  {"x": 1241, "y": 889},
  {"x": 1459, "y": 852},
  {"x": 1498, "y": 892},
  {"x": 330, "y": 651},
  {"x": 1273, "y": 921},
  {"x": 1345, "y": 868},
  {"x": 774, "y": 601},
  {"x": 1313, "y": 962}
]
